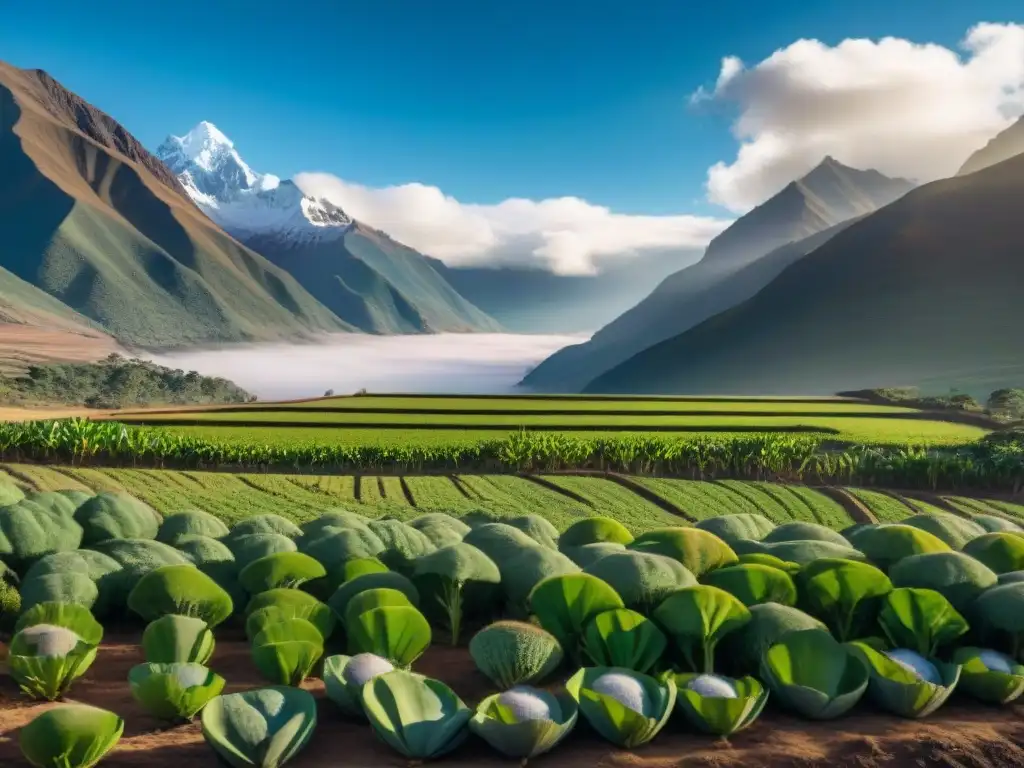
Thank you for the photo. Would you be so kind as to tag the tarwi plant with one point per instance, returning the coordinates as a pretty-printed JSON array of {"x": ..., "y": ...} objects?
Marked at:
[
  {"x": 176, "y": 639},
  {"x": 286, "y": 652},
  {"x": 264, "y": 728},
  {"x": 174, "y": 692},
  {"x": 398, "y": 633},
  {"x": 627, "y": 708},
  {"x": 416, "y": 716},
  {"x": 813, "y": 675},
  {"x": 345, "y": 676},
  {"x": 513, "y": 652},
  {"x": 753, "y": 583},
  {"x": 45, "y": 658},
  {"x": 183, "y": 590},
  {"x": 906, "y": 683},
  {"x": 719, "y": 705},
  {"x": 524, "y": 722},
  {"x": 281, "y": 569},
  {"x": 696, "y": 618},
  {"x": 989, "y": 676},
  {"x": 564, "y": 605},
  {"x": 454, "y": 581},
  {"x": 845, "y": 594},
  {"x": 70, "y": 736},
  {"x": 920, "y": 619}
]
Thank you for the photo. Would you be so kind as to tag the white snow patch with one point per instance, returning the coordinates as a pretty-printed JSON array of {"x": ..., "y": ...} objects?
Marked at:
[{"x": 626, "y": 690}]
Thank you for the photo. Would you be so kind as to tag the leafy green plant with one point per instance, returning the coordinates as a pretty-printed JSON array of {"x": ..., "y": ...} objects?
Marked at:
[
  {"x": 251, "y": 547},
  {"x": 956, "y": 576},
  {"x": 403, "y": 544},
  {"x": 954, "y": 530},
  {"x": 280, "y": 570},
  {"x": 641, "y": 579},
  {"x": 265, "y": 523},
  {"x": 514, "y": 652},
  {"x": 920, "y": 619},
  {"x": 45, "y": 659},
  {"x": 593, "y": 530},
  {"x": 173, "y": 691},
  {"x": 373, "y": 598},
  {"x": 537, "y": 528},
  {"x": 988, "y": 675},
  {"x": 763, "y": 558},
  {"x": 286, "y": 652},
  {"x": 625, "y": 707},
  {"x": 283, "y": 597},
  {"x": 191, "y": 522},
  {"x": 623, "y": 638},
  {"x": 318, "y": 614},
  {"x": 416, "y": 716},
  {"x": 897, "y": 685},
  {"x": 101, "y": 569},
  {"x": 522, "y": 572},
  {"x": 458, "y": 580},
  {"x": 564, "y": 605},
  {"x": 1001, "y": 552},
  {"x": 752, "y": 583},
  {"x": 398, "y": 633},
  {"x": 1000, "y": 614},
  {"x": 743, "y": 525},
  {"x": 112, "y": 515},
  {"x": 886, "y": 545},
  {"x": 264, "y": 728},
  {"x": 814, "y": 675},
  {"x": 442, "y": 529},
  {"x": 70, "y": 736},
  {"x": 769, "y": 623},
  {"x": 588, "y": 554},
  {"x": 697, "y": 618},
  {"x": 846, "y": 595},
  {"x": 345, "y": 676},
  {"x": 183, "y": 590},
  {"x": 389, "y": 579},
  {"x": 697, "y": 550},
  {"x": 524, "y": 722},
  {"x": 173, "y": 639},
  {"x": 719, "y": 705},
  {"x": 499, "y": 541},
  {"x": 800, "y": 530},
  {"x": 59, "y": 588}
]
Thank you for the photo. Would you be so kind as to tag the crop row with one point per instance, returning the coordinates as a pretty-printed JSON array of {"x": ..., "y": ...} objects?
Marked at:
[{"x": 706, "y": 623}]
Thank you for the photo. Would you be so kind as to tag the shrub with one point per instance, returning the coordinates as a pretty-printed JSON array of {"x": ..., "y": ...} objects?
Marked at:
[
  {"x": 72, "y": 735},
  {"x": 111, "y": 515},
  {"x": 10, "y": 604},
  {"x": 642, "y": 580},
  {"x": 956, "y": 576},
  {"x": 281, "y": 569},
  {"x": 210, "y": 556},
  {"x": 955, "y": 531},
  {"x": 994, "y": 524},
  {"x": 1002, "y": 552},
  {"x": 887, "y": 545},
  {"x": 183, "y": 590},
  {"x": 588, "y": 554},
  {"x": 512, "y": 652},
  {"x": 699, "y": 551},
  {"x": 537, "y": 528},
  {"x": 267, "y": 523},
  {"x": 56, "y": 502},
  {"x": 593, "y": 530},
  {"x": 10, "y": 493},
  {"x": 499, "y": 541},
  {"x": 443, "y": 530},
  {"x": 191, "y": 522},
  {"x": 335, "y": 546},
  {"x": 100, "y": 568},
  {"x": 744, "y": 525},
  {"x": 402, "y": 544},
  {"x": 752, "y": 584},
  {"x": 28, "y": 531},
  {"x": 799, "y": 530},
  {"x": 522, "y": 572},
  {"x": 334, "y": 518},
  {"x": 253, "y": 546},
  {"x": 58, "y": 588},
  {"x": 137, "y": 557}
]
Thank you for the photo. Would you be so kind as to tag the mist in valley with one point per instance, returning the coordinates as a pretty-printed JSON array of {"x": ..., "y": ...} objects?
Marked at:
[{"x": 462, "y": 363}]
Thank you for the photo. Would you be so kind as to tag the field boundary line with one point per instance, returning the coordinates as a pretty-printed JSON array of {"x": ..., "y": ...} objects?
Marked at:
[
  {"x": 21, "y": 477},
  {"x": 357, "y": 488},
  {"x": 537, "y": 480},
  {"x": 407, "y": 491},
  {"x": 381, "y": 489},
  {"x": 454, "y": 480},
  {"x": 855, "y": 508},
  {"x": 648, "y": 495}
]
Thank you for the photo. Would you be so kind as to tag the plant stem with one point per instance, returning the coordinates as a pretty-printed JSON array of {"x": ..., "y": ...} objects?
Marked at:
[{"x": 454, "y": 605}]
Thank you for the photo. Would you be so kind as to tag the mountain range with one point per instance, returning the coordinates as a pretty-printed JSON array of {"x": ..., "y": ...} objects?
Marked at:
[{"x": 738, "y": 263}]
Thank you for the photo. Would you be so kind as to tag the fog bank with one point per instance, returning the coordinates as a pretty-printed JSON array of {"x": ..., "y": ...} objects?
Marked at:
[{"x": 478, "y": 363}]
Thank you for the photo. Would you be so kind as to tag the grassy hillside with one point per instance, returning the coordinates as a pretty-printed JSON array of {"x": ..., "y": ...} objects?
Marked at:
[
  {"x": 1005, "y": 145},
  {"x": 93, "y": 220},
  {"x": 925, "y": 292},
  {"x": 739, "y": 262},
  {"x": 375, "y": 284}
]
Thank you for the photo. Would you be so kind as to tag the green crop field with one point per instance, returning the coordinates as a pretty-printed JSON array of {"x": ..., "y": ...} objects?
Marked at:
[{"x": 438, "y": 420}]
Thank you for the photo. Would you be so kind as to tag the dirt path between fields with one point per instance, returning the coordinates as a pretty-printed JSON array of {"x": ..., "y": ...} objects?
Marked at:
[{"x": 961, "y": 734}]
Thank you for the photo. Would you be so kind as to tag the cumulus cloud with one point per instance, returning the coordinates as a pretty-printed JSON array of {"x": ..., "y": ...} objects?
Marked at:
[
  {"x": 915, "y": 110},
  {"x": 565, "y": 235}
]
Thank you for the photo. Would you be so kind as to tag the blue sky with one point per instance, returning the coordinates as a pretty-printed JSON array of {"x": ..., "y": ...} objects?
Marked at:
[{"x": 486, "y": 100}]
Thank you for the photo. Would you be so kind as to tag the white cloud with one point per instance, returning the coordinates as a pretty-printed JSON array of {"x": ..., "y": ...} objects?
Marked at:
[
  {"x": 566, "y": 235},
  {"x": 906, "y": 109}
]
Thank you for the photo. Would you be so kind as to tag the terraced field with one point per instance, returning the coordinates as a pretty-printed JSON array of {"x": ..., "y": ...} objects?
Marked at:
[
  {"x": 378, "y": 420},
  {"x": 641, "y": 503}
]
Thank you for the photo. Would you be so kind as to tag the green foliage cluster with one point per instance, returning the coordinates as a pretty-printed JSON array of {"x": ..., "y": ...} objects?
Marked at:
[{"x": 117, "y": 382}]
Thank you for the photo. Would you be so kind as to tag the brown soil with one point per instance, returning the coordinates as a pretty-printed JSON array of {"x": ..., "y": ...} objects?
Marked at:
[
  {"x": 24, "y": 345},
  {"x": 961, "y": 735}
]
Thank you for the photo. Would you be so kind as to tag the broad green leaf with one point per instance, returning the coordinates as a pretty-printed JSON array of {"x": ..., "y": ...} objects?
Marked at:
[
  {"x": 623, "y": 638},
  {"x": 896, "y": 689},
  {"x": 72, "y": 735},
  {"x": 920, "y": 619},
  {"x": 718, "y": 715},
  {"x": 523, "y": 739},
  {"x": 991, "y": 684},
  {"x": 697, "y": 618},
  {"x": 177, "y": 639},
  {"x": 752, "y": 584},
  {"x": 174, "y": 691},
  {"x": 844, "y": 594},
  {"x": 616, "y": 722},
  {"x": 564, "y": 605},
  {"x": 286, "y": 652},
  {"x": 398, "y": 633},
  {"x": 263, "y": 728}
]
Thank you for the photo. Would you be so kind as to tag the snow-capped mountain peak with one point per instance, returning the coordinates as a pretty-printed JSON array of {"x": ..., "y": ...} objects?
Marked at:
[{"x": 241, "y": 200}]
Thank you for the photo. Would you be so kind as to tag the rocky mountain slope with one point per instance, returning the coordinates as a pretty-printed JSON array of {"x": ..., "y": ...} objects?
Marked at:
[{"x": 1007, "y": 144}]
